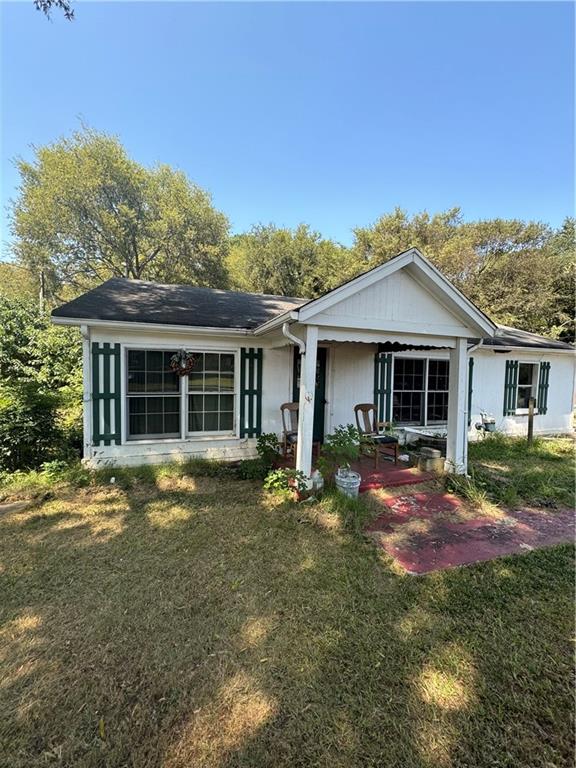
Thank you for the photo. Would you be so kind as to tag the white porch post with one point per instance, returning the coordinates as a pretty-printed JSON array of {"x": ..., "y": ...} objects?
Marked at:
[
  {"x": 457, "y": 440},
  {"x": 87, "y": 388},
  {"x": 306, "y": 409}
]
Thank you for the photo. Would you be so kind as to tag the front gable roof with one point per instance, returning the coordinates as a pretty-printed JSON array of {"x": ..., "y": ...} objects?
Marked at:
[{"x": 405, "y": 293}]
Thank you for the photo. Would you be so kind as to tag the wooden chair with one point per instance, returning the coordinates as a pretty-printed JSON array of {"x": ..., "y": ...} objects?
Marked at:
[
  {"x": 387, "y": 445},
  {"x": 290, "y": 430}
]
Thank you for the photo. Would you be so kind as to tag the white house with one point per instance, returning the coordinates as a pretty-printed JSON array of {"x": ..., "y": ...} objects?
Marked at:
[{"x": 400, "y": 336}]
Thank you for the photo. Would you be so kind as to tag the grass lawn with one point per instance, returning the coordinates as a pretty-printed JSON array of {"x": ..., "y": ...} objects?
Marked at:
[
  {"x": 513, "y": 473},
  {"x": 192, "y": 622}
]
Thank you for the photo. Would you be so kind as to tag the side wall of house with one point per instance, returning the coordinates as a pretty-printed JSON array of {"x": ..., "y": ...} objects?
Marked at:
[
  {"x": 488, "y": 391},
  {"x": 276, "y": 388}
]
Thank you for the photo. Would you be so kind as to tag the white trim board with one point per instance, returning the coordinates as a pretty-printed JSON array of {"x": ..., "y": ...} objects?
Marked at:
[{"x": 129, "y": 325}]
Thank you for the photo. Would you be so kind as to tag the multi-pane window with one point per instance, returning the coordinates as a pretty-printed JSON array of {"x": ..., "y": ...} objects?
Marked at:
[
  {"x": 437, "y": 403},
  {"x": 153, "y": 395},
  {"x": 211, "y": 393},
  {"x": 420, "y": 390},
  {"x": 408, "y": 390},
  {"x": 527, "y": 379}
]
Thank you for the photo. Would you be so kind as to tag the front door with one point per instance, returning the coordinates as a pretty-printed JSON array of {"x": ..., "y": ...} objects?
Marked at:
[{"x": 320, "y": 394}]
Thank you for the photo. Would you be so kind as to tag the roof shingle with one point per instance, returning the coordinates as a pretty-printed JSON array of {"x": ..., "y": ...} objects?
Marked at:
[{"x": 138, "y": 301}]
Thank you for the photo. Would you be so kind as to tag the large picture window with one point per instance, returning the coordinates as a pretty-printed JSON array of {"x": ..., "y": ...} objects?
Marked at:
[
  {"x": 153, "y": 395},
  {"x": 420, "y": 391},
  {"x": 211, "y": 393}
]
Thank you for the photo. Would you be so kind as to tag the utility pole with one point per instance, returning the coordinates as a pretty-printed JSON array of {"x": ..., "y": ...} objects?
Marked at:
[{"x": 42, "y": 297}]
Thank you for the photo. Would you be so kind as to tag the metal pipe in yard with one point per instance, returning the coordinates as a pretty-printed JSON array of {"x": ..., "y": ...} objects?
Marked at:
[{"x": 531, "y": 404}]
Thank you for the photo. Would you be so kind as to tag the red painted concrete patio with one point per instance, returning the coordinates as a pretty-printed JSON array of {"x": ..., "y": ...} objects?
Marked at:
[
  {"x": 426, "y": 532},
  {"x": 388, "y": 474}
]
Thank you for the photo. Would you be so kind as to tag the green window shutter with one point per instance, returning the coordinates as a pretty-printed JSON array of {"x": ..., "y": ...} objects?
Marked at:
[
  {"x": 470, "y": 387},
  {"x": 106, "y": 394},
  {"x": 251, "y": 360},
  {"x": 383, "y": 385},
  {"x": 510, "y": 387},
  {"x": 543, "y": 378}
]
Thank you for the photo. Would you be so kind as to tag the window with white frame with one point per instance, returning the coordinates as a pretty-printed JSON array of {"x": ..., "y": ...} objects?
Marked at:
[
  {"x": 211, "y": 399},
  {"x": 408, "y": 398},
  {"x": 420, "y": 394},
  {"x": 152, "y": 394},
  {"x": 437, "y": 396},
  {"x": 527, "y": 383},
  {"x": 158, "y": 400}
]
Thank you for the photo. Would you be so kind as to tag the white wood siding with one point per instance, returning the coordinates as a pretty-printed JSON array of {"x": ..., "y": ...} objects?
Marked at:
[
  {"x": 488, "y": 391},
  {"x": 350, "y": 380},
  {"x": 397, "y": 302}
]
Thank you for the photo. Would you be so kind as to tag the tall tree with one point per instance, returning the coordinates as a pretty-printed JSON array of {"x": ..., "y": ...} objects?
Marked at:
[
  {"x": 85, "y": 212},
  {"x": 17, "y": 282},
  {"x": 563, "y": 247},
  {"x": 286, "y": 262},
  {"x": 46, "y": 6},
  {"x": 510, "y": 268}
]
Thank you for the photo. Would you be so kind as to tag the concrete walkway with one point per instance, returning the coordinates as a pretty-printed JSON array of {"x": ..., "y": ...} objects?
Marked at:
[{"x": 431, "y": 531}]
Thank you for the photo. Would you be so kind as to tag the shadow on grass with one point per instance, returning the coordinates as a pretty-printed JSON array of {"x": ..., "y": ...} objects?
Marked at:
[{"x": 200, "y": 625}]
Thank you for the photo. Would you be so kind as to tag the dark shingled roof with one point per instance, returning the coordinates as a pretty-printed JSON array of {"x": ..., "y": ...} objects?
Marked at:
[
  {"x": 514, "y": 337},
  {"x": 138, "y": 301}
]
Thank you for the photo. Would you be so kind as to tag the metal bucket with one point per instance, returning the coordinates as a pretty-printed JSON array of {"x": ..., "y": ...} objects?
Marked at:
[{"x": 348, "y": 482}]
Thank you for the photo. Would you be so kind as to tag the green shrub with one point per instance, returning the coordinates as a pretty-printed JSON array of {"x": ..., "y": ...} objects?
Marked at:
[
  {"x": 283, "y": 482},
  {"x": 70, "y": 416},
  {"x": 339, "y": 449},
  {"x": 252, "y": 469},
  {"x": 29, "y": 434},
  {"x": 40, "y": 366},
  {"x": 268, "y": 449}
]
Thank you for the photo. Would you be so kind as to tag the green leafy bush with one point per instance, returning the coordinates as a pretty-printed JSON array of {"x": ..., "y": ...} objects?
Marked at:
[
  {"x": 29, "y": 434},
  {"x": 284, "y": 482},
  {"x": 40, "y": 370},
  {"x": 253, "y": 469},
  {"x": 340, "y": 448},
  {"x": 268, "y": 449}
]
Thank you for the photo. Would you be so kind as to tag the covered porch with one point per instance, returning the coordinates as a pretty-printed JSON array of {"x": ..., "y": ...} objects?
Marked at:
[{"x": 402, "y": 306}]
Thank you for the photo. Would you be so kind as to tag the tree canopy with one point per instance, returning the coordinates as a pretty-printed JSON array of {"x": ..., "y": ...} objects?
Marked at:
[
  {"x": 518, "y": 272},
  {"x": 46, "y": 6},
  {"x": 86, "y": 212},
  {"x": 286, "y": 262}
]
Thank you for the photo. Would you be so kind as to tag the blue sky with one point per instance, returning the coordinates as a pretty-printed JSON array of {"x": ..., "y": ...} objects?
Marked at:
[{"x": 328, "y": 113}]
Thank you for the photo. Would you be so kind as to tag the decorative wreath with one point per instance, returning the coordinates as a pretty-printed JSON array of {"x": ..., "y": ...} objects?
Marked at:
[{"x": 183, "y": 362}]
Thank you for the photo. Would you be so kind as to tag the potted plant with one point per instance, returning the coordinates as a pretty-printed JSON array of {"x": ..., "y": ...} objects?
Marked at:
[{"x": 340, "y": 449}]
